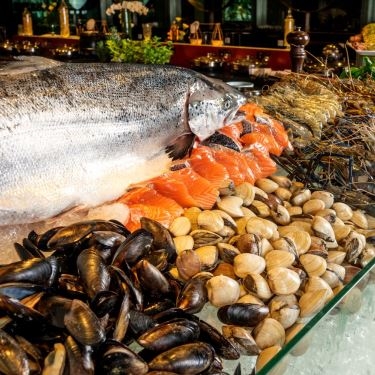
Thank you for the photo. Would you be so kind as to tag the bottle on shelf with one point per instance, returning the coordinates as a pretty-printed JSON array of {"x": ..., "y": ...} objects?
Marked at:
[
  {"x": 64, "y": 19},
  {"x": 288, "y": 26},
  {"x": 27, "y": 22}
]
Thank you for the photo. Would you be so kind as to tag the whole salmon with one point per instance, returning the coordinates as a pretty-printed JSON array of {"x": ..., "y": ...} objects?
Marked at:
[{"x": 78, "y": 134}]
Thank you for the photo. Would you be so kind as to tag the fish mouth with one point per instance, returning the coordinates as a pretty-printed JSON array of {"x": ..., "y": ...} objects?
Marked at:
[{"x": 234, "y": 117}]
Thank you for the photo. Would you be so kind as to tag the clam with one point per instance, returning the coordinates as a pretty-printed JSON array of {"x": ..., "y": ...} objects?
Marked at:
[
  {"x": 246, "y": 263},
  {"x": 284, "y": 310},
  {"x": 208, "y": 257},
  {"x": 312, "y": 206},
  {"x": 250, "y": 298},
  {"x": 225, "y": 269},
  {"x": 301, "y": 240},
  {"x": 283, "y": 193},
  {"x": 265, "y": 246},
  {"x": 227, "y": 252},
  {"x": 318, "y": 247},
  {"x": 266, "y": 184},
  {"x": 204, "y": 237},
  {"x": 188, "y": 264},
  {"x": 265, "y": 356},
  {"x": 262, "y": 227},
  {"x": 334, "y": 275},
  {"x": 280, "y": 215},
  {"x": 328, "y": 213},
  {"x": 323, "y": 229},
  {"x": 301, "y": 197},
  {"x": 296, "y": 186},
  {"x": 192, "y": 214},
  {"x": 314, "y": 265},
  {"x": 256, "y": 284},
  {"x": 210, "y": 220},
  {"x": 248, "y": 243},
  {"x": 228, "y": 220},
  {"x": 260, "y": 208},
  {"x": 222, "y": 290},
  {"x": 180, "y": 226},
  {"x": 283, "y": 280},
  {"x": 269, "y": 332},
  {"x": 246, "y": 192},
  {"x": 312, "y": 302},
  {"x": 317, "y": 283},
  {"x": 294, "y": 210},
  {"x": 367, "y": 255},
  {"x": 231, "y": 205},
  {"x": 260, "y": 193},
  {"x": 279, "y": 258},
  {"x": 285, "y": 244},
  {"x": 353, "y": 245},
  {"x": 326, "y": 196},
  {"x": 336, "y": 256},
  {"x": 282, "y": 181},
  {"x": 242, "y": 338},
  {"x": 341, "y": 232},
  {"x": 343, "y": 211},
  {"x": 183, "y": 243}
]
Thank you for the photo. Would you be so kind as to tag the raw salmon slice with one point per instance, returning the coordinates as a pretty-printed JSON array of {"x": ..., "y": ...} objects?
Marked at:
[
  {"x": 203, "y": 162},
  {"x": 187, "y": 188},
  {"x": 260, "y": 154},
  {"x": 149, "y": 196},
  {"x": 236, "y": 165},
  {"x": 139, "y": 210},
  {"x": 265, "y": 139}
]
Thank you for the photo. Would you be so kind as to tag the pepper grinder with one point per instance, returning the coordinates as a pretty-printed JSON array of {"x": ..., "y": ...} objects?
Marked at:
[{"x": 298, "y": 40}]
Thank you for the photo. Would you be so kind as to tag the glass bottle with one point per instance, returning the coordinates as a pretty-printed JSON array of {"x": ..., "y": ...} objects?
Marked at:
[
  {"x": 27, "y": 22},
  {"x": 64, "y": 19},
  {"x": 288, "y": 26}
]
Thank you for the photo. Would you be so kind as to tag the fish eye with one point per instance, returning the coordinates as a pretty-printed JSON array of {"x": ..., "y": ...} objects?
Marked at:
[{"x": 227, "y": 103}]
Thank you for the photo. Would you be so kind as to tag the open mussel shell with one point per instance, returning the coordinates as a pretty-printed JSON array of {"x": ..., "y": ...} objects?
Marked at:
[
  {"x": 242, "y": 314},
  {"x": 192, "y": 358},
  {"x": 169, "y": 334},
  {"x": 13, "y": 359}
]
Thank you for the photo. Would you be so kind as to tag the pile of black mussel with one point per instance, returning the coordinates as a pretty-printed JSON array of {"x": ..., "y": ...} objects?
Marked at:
[{"x": 82, "y": 295}]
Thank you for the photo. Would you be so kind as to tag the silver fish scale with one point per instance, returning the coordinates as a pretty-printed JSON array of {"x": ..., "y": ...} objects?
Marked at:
[{"x": 79, "y": 134}]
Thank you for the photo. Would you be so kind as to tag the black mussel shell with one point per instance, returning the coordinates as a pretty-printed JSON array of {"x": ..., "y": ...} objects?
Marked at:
[
  {"x": 93, "y": 272},
  {"x": 20, "y": 290},
  {"x": 169, "y": 334},
  {"x": 188, "y": 359},
  {"x": 134, "y": 248},
  {"x": 242, "y": 314},
  {"x": 83, "y": 324},
  {"x": 54, "y": 308},
  {"x": 162, "y": 237},
  {"x": 118, "y": 359},
  {"x": 35, "y": 270},
  {"x": 105, "y": 302}
]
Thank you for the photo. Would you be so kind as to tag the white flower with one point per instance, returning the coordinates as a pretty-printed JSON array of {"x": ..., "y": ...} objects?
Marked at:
[{"x": 131, "y": 6}]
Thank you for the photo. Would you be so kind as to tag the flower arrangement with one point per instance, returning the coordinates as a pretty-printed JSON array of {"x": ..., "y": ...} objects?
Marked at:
[{"x": 131, "y": 6}]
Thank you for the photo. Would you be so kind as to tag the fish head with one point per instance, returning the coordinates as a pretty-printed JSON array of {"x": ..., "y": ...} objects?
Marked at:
[{"x": 212, "y": 105}]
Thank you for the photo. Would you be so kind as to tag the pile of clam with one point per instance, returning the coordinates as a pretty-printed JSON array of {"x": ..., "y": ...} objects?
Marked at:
[
  {"x": 277, "y": 253},
  {"x": 93, "y": 298}
]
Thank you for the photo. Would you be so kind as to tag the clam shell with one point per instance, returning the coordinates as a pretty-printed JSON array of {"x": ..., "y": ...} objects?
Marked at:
[
  {"x": 334, "y": 275},
  {"x": 210, "y": 220},
  {"x": 282, "y": 311},
  {"x": 260, "y": 208},
  {"x": 262, "y": 227},
  {"x": 258, "y": 285},
  {"x": 282, "y": 181},
  {"x": 227, "y": 252},
  {"x": 283, "y": 193},
  {"x": 203, "y": 237},
  {"x": 280, "y": 215},
  {"x": 266, "y": 184},
  {"x": 183, "y": 243},
  {"x": 250, "y": 298},
  {"x": 222, "y": 290},
  {"x": 317, "y": 283},
  {"x": 303, "y": 344},
  {"x": 325, "y": 196},
  {"x": 323, "y": 229},
  {"x": 208, "y": 256},
  {"x": 192, "y": 214},
  {"x": 301, "y": 197},
  {"x": 246, "y": 263},
  {"x": 282, "y": 280},
  {"x": 249, "y": 243},
  {"x": 328, "y": 213},
  {"x": 269, "y": 332},
  {"x": 188, "y": 264},
  {"x": 246, "y": 192},
  {"x": 359, "y": 219},
  {"x": 312, "y": 206},
  {"x": 314, "y": 265},
  {"x": 279, "y": 258},
  {"x": 265, "y": 356},
  {"x": 180, "y": 226},
  {"x": 312, "y": 302},
  {"x": 231, "y": 205},
  {"x": 336, "y": 256},
  {"x": 343, "y": 211},
  {"x": 301, "y": 240}
]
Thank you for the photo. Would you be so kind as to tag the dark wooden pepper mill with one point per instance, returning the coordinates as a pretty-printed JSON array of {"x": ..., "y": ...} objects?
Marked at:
[{"x": 298, "y": 40}]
